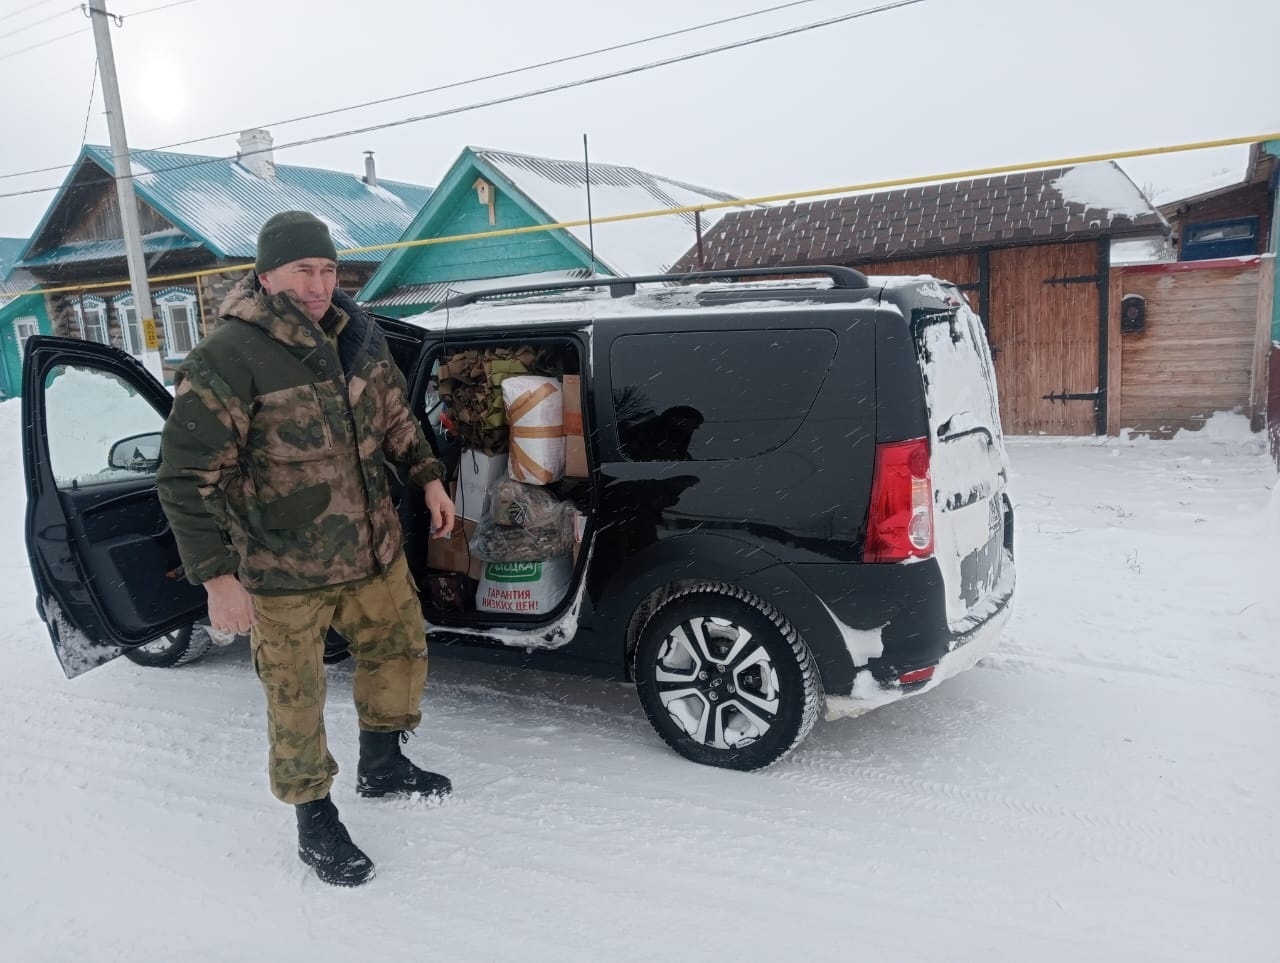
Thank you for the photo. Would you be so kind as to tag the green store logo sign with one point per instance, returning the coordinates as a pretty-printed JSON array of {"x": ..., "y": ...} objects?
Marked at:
[{"x": 513, "y": 571}]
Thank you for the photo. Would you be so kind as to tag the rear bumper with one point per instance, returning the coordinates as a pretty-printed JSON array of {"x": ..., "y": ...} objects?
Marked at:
[{"x": 965, "y": 650}]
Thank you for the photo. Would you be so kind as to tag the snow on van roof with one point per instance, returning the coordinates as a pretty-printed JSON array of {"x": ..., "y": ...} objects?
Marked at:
[{"x": 589, "y": 304}]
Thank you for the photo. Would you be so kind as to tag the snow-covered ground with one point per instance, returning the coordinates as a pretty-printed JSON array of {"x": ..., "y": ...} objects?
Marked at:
[{"x": 1105, "y": 788}]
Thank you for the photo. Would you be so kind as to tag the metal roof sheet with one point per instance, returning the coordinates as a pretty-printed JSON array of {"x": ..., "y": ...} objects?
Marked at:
[
  {"x": 107, "y": 250},
  {"x": 643, "y": 246},
  {"x": 223, "y": 204}
]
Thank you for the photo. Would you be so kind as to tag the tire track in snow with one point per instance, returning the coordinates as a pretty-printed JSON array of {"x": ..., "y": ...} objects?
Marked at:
[{"x": 1104, "y": 833}]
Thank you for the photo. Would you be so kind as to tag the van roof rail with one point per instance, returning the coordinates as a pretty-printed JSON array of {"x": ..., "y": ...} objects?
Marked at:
[{"x": 841, "y": 277}]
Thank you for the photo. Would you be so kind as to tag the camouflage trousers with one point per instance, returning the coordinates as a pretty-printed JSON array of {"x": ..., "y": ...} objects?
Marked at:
[{"x": 381, "y": 619}]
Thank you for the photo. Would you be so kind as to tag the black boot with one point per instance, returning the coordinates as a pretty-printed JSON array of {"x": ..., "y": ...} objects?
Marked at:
[
  {"x": 384, "y": 770},
  {"x": 325, "y": 846}
]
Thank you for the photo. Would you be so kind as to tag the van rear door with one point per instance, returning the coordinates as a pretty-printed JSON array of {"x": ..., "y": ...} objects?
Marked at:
[{"x": 968, "y": 462}]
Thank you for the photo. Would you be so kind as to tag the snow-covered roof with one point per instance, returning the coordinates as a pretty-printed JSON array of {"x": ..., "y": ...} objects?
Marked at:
[
  {"x": 222, "y": 204},
  {"x": 1026, "y": 207},
  {"x": 644, "y": 246}
]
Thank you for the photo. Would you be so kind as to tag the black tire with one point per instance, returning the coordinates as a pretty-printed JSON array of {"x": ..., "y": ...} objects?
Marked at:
[
  {"x": 725, "y": 679},
  {"x": 178, "y": 647}
]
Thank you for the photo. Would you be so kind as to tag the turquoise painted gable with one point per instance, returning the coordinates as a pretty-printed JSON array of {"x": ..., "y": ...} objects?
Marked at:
[
  {"x": 18, "y": 313},
  {"x": 456, "y": 208},
  {"x": 483, "y": 257}
]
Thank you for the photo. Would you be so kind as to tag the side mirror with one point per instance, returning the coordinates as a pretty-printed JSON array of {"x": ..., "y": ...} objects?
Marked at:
[{"x": 140, "y": 453}]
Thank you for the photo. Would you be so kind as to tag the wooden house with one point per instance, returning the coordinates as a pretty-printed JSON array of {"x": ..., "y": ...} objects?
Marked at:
[
  {"x": 1227, "y": 216},
  {"x": 1032, "y": 251},
  {"x": 499, "y": 191},
  {"x": 200, "y": 218},
  {"x": 21, "y": 315}
]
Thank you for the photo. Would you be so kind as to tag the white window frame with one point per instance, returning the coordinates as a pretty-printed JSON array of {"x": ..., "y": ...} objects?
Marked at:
[
  {"x": 92, "y": 305},
  {"x": 167, "y": 302},
  {"x": 130, "y": 331},
  {"x": 18, "y": 324}
]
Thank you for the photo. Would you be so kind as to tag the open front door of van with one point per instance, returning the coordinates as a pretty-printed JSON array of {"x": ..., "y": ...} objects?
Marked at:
[{"x": 103, "y": 558}]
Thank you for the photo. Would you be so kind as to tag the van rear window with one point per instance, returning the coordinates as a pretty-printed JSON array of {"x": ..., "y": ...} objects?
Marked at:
[{"x": 714, "y": 395}]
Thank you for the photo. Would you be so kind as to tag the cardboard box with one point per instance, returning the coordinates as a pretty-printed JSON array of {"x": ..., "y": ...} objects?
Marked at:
[
  {"x": 575, "y": 442},
  {"x": 454, "y": 553},
  {"x": 476, "y": 474}
]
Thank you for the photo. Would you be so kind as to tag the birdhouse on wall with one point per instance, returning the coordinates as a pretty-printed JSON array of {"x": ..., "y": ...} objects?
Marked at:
[{"x": 488, "y": 196}]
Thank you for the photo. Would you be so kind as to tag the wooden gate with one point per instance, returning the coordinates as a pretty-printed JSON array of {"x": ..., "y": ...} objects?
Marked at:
[{"x": 1043, "y": 321}]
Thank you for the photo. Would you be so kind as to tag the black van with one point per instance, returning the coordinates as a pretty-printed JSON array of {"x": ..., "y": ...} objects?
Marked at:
[{"x": 789, "y": 494}]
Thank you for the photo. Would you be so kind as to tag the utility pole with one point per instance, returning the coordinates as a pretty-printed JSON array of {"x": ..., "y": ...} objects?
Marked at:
[{"x": 124, "y": 188}]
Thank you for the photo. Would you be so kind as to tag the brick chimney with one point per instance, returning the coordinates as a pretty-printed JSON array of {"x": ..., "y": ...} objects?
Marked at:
[
  {"x": 254, "y": 153},
  {"x": 370, "y": 172}
]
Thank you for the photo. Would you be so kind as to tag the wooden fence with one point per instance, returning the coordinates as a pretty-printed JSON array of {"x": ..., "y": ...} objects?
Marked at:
[{"x": 1202, "y": 348}]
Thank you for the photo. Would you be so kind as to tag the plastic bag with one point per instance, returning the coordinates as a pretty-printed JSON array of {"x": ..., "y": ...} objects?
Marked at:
[{"x": 524, "y": 523}]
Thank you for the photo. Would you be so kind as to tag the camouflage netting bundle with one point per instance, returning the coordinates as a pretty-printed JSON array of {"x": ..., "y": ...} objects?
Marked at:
[
  {"x": 471, "y": 386},
  {"x": 524, "y": 523}
]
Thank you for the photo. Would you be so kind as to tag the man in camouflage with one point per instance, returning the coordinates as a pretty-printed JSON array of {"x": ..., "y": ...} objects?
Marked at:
[{"x": 274, "y": 479}]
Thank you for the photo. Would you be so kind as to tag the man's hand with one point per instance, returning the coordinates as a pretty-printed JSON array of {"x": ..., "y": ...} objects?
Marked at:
[
  {"x": 441, "y": 507},
  {"x": 230, "y": 607}
]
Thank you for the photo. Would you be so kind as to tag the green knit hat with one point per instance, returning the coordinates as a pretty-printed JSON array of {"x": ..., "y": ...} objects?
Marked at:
[{"x": 291, "y": 236}]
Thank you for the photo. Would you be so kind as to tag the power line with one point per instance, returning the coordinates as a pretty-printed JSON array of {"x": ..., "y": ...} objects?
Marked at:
[
  {"x": 511, "y": 98},
  {"x": 73, "y": 33},
  {"x": 449, "y": 86},
  {"x": 88, "y": 111},
  {"x": 503, "y": 73},
  {"x": 31, "y": 6},
  {"x": 36, "y": 23},
  {"x": 43, "y": 43},
  {"x": 166, "y": 6}
]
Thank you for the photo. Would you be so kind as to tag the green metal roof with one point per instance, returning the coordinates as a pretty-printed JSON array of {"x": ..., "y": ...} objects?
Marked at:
[
  {"x": 221, "y": 204},
  {"x": 157, "y": 243}
]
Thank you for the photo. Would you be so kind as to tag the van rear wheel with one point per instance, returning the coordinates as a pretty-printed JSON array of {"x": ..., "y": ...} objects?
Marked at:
[
  {"x": 725, "y": 679},
  {"x": 173, "y": 648}
]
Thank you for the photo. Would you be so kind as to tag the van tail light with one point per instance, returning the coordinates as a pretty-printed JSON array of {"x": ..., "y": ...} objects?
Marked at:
[{"x": 900, "y": 521}]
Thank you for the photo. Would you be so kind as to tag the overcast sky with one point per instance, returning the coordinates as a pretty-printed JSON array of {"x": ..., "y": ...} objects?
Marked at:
[{"x": 941, "y": 86}]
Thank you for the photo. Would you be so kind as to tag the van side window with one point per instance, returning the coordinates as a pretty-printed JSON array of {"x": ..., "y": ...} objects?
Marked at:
[{"x": 714, "y": 395}]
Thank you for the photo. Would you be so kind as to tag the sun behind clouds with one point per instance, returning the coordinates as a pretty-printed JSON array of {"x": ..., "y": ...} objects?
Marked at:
[{"x": 161, "y": 90}]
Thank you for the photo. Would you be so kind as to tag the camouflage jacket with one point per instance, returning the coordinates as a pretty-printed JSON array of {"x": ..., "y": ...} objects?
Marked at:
[{"x": 274, "y": 456}]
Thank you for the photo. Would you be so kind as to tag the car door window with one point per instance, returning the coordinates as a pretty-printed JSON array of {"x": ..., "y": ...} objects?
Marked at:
[{"x": 99, "y": 428}]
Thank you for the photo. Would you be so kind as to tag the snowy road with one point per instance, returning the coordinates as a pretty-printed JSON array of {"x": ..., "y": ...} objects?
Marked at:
[{"x": 1104, "y": 788}]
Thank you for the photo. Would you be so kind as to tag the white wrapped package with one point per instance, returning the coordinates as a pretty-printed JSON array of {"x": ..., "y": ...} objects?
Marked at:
[
  {"x": 524, "y": 588},
  {"x": 535, "y": 418}
]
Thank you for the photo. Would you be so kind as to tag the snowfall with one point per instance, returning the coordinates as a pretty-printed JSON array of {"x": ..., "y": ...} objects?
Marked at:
[{"x": 1103, "y": 787}]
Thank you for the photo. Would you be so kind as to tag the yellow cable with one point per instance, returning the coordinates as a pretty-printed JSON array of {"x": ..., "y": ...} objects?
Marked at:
[{"x": 713, "y": 205}]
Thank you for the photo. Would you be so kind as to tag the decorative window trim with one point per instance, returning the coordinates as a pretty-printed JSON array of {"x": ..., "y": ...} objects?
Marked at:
[
  {"x": 130, "y": 334},
  {"x": 166, "y": 303},
  {"x": 91, "y": 303},
  {"x": 18, "y": 335}
]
